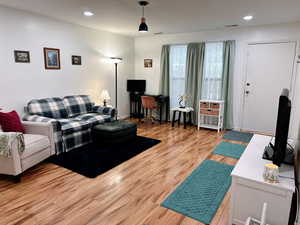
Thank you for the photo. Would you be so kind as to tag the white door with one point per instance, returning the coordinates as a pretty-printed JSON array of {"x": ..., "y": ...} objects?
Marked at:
[{"x": 269, "y": 70}]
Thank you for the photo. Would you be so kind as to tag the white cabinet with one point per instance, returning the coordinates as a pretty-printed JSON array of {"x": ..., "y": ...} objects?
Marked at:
[
  {"x": 249, "y": 191},
  {"x": 211, "y": 114}
]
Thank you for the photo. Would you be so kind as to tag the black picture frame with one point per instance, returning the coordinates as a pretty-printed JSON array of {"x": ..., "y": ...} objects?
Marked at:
[
  {"x": 148, "y": 63},
  {"x": 76, "y": 60},
  {"x": 22, "y": 56}
]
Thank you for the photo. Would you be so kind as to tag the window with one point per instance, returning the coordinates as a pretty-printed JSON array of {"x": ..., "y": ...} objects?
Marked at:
[
  {"x": 177, "y": 73},
  {"x": 213, "y": 71}
]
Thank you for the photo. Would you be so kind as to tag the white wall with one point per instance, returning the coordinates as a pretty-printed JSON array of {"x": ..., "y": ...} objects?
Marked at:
[
  {"x": 296, "y": 104},
  {"x": 20, "y": 83},
  {"x": 150, "y": 47}
]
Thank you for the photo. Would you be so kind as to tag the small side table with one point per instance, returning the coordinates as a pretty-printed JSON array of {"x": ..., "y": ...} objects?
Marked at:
[{"x": 185, "y": 111}]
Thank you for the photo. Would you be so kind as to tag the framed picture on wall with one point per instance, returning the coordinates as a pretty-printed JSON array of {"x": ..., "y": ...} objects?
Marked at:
[
  {"x": 22, "y": 56},
  {"x": 76, "y": 60},
  {"x": 52, "y": 58},
  {"x": 148, "y": 63}
]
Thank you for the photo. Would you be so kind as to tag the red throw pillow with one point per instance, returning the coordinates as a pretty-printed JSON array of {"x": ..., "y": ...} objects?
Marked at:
[{"x": 10, "y": 122}]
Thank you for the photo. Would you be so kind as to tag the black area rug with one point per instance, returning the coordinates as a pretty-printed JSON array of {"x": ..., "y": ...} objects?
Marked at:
[{"x": 91, "y": 161}]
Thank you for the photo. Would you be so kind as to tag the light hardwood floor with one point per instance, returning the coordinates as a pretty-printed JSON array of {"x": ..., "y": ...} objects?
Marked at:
[{"x": 129, "y": 194}]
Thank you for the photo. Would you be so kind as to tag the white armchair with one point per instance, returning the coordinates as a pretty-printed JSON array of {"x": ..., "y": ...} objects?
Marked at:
[{"x": 38, "y": 147}]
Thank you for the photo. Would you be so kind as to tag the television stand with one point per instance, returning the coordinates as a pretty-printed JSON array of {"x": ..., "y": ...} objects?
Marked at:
[
  {"x": 288, "y": 159},
  {"x": 249, "y": 191}
]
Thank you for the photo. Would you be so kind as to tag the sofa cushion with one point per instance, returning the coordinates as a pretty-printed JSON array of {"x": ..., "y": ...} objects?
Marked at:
[
  {"x": 34, "y": 143},
  {"x": 10, "y": 122},
  {"x": 93, "y": 118},
  {"x": 78, "y": 104},
  {"x": 72, "y": 125},
  {"x": 48, "y": 107}
]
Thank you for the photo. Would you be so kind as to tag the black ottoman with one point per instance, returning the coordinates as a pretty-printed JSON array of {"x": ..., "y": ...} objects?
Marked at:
[{"x": 113, "y": 132}]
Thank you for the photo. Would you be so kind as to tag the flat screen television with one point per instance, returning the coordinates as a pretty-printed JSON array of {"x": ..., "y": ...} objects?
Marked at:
[
  {"x": 282, "y": 130},
  {"x": 136, "y": 86}
]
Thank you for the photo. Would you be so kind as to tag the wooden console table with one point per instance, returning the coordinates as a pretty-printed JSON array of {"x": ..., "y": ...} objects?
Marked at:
[
  {"x": 249, "y": 190},
  {"x": 137, "y": 110}
]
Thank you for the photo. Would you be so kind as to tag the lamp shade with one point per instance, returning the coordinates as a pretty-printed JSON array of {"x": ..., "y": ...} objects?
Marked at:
[
  {"x": 115, "y": 60},
  {"x": 143, "y": 26},
  {"x": 105, "y": 95}
]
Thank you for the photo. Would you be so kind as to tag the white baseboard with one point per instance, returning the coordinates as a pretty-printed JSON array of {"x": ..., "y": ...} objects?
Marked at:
[{"x": 123, "y": 117}]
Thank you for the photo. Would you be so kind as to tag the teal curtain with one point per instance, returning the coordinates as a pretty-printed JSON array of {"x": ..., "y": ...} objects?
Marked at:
[
  {"x": 165, "y": 71},
  {"x": 227, "y": 83},
  {"x": 164, "y": 87},
  {"x": 194, "y": 75}
]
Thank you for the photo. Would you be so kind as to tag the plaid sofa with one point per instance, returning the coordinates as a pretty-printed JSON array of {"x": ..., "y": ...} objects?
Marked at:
[{"x": 71, "y": 117}]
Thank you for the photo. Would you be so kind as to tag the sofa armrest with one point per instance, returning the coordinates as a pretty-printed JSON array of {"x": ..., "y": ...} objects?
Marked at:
[
  {"x": 102, "y": 110},
  {"x": 36, "y": 118}
]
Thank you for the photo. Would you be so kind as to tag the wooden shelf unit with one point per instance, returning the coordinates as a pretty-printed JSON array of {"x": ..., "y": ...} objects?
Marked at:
[{"x": 211, "y": 114}]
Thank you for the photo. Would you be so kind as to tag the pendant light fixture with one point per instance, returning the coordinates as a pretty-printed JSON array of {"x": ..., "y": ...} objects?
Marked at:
[{"x": 143, "y": 26}]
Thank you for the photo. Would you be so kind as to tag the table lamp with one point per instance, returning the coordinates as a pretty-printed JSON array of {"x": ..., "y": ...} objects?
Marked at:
[{"x": 105, "y": 96}]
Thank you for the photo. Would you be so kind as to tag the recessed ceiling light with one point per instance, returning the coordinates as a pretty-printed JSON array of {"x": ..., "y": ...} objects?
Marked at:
[
  {"x": 88, "y": 13},
  {"x": 249, "y": 17}
]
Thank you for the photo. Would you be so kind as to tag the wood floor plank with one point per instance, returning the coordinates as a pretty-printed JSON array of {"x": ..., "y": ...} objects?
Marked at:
[{"x": 129, "y": 194}]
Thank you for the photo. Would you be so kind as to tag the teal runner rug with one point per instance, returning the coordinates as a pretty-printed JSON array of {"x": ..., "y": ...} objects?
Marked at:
[
  {"x": 230, "y": 150},
  {"x": 200, "y": 195},
  {"x": 238, "y": 136}
]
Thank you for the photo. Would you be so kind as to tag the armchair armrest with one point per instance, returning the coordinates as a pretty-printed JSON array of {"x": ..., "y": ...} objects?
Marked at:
[
  {"x": 41, "y": 128},
  {"x": 102, "y": 110},
  {"x": 11, "y": 146},
  {"x": 49, "y": 127}
]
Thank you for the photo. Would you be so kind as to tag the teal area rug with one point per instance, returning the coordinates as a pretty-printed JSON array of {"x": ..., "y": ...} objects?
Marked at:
[
  {"x": 238, "y": 136},
  {"x": 230, "y": 150},
  {"x": 200, "y": 195}
]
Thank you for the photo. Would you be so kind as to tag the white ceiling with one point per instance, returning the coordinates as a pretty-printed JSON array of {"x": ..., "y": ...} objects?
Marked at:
[{"x": 167, "y": 16}]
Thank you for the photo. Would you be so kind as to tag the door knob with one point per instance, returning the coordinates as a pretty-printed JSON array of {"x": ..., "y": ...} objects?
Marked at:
[
  {"x": 247, "y": 92},
  {"x": 248, "y": 84}
]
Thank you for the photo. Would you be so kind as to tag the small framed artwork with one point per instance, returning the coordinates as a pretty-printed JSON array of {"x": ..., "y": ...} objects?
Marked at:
[
  {"x": 52, "y": 58},
  {"x": 76, "y": 60},
  {"x": 148, "y": 63},
  {"x": 22, "y": 56}
]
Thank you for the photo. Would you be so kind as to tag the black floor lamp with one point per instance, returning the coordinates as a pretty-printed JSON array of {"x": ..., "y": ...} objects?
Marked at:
[{"x": 116, "y": 60}]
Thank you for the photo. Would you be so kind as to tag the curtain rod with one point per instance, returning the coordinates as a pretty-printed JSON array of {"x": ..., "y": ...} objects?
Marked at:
[{"x": 195, "y": 42}]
